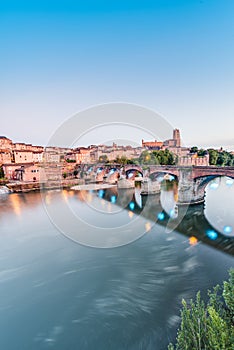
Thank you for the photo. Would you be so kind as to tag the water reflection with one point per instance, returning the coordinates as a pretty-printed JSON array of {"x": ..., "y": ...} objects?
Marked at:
[
  {"x": 15, "y": 201},
  {"x": 220, "y": 213},
  {"x": 193, "y": 240},
  {"x": 210, "y": 222},
  {"x": 125, "y": 298},
  {"x": 169, "y": 197}
]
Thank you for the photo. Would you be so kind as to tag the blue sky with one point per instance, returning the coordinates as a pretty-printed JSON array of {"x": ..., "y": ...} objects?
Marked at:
[{"x": 173, "y": 56}]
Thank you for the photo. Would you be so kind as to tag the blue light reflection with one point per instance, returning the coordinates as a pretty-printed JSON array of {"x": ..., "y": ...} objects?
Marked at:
[
  {"x": 131, "y": 205},
  {"x": 101, "y": 193},
  {"x": 161, "y": 216},
  {"x": 227, "y": 229},
  {"x": 212, "y": 234},
  {"x": 113, "y": 199}
]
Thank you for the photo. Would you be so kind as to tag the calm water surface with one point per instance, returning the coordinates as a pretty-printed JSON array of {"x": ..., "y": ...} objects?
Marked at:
[{"x": 55, "y": 293}]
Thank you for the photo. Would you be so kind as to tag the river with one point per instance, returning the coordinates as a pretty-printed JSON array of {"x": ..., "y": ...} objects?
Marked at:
[{"x": 58, "y": 294}]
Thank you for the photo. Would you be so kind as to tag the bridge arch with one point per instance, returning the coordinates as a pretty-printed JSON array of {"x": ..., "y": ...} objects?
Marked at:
[
  {"x": 133, "y": 169},
  {"x": 160, "y": 176},
  {"x": 201, "y": 182}
]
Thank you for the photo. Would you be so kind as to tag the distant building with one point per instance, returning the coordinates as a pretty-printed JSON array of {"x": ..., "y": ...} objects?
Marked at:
[
  {"x": 80, "y": 155},
  {"x": 152, "y": 145},
  {"x": 19, "y": 146},
  {"x": 5, "y": 143},
  {"x": 176, "y": 137},
  {"x": 22, "y": 156},
  {"x": 52, "y": 157},
  {"x": 191, "y": 160},
  {"x": 38, "y": 156},
  {"x": 178, "y": 151},
  {"x": 37, "y": 149},
  {"x": 19, "y": 152},
  {"x": 157, "y": 145},
  {"x": 55, "y": 154},
  {"x": 183, "y": 156},
  {"x": 175, "y": 141},
  {"x": 28, "y": 172},
  {"x": 5, "y": 156}
]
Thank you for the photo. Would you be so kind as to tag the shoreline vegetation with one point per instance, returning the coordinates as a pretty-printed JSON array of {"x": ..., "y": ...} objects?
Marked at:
[{"x": 208, "y": 326}]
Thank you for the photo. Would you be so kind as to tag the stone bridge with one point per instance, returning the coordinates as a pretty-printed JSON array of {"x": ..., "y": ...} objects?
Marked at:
[{"x": 192, "y": 180}]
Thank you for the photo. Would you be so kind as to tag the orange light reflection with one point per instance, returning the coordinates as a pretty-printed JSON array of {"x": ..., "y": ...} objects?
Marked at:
[{"x": 193, "y": 240}]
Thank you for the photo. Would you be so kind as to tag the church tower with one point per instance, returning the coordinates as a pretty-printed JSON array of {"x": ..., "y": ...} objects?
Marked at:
[{"x": 176, "y": 137}]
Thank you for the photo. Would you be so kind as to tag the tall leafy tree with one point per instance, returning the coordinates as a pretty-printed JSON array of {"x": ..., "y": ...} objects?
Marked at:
[
  {"x": 208, "y": 326},
  {"x": 213, "y": 156}
]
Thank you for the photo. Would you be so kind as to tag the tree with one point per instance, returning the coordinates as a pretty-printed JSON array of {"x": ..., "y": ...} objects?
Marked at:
[
  {"x": 193, "y": 149},
  {"x": 164, "y": 157},
  {"x": 2, "y": 175},
  {"x": 133, "y": 161},
  {"x": 145, "y": 157},
  {"x": 208, "y": 326},
  {"x": 201, "y": 152},
  {"x": 103, "y": 159},
  {"x": 213, "y": 156},
  {"x": 222, "y": 158},
  {"x": 230, "y": 161},
  {"x": 123, "y": 160},
  {"x": 75, "y": 173}
]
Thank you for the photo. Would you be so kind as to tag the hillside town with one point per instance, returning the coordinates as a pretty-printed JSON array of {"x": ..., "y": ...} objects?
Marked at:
[{"x": 26, "y": 162}]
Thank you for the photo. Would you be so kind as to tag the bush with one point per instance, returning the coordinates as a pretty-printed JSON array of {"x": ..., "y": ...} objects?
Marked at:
[{"x": 208, "y": 326}]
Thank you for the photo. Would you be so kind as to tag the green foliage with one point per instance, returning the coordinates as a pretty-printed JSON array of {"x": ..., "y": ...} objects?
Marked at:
[
  {"x": 228, "y": 295},
  {"x": 70, "y": 160},
  {"x": 221, "y": 158},
  {"x": 133, "y": 161},
  {"x": 217, "y": 331},
  {"x": 193, "y": 325},
  {"x": 194, "y": 149},
  {"x": 2, "y": 175},
  {"x": 161, "y": 157},
  {"x": 213, "y": 154},
  {"x": 208, "y": 326},
  {"x": 201, "y": 152},
  {"x": 122, "y": 160},
  {"x": 64, "y": 175},
  {"x": 103, "y": 159}
]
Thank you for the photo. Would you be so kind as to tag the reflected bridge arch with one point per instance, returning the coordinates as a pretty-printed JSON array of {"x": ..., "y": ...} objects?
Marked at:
[{"x": 200, "y": 183}]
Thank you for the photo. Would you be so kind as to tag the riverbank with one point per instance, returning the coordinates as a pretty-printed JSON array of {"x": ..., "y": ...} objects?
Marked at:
[
  {"x": 17, "y": 187},
  {"x": 92, "y": 186}
]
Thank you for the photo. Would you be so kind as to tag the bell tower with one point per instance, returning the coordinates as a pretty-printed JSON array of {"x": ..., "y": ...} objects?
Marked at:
[{"x": 176, "y": 137}]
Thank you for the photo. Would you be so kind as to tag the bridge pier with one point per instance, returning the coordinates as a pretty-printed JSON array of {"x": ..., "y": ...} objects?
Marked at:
[{"x": 189, "y": 191}]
